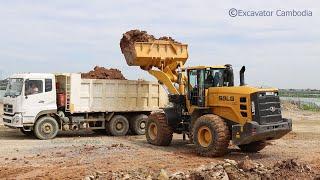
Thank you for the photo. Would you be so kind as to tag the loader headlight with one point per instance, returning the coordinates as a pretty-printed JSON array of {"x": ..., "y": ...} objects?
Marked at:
[
  {"x": 253, "y": 108},
  {"x": 17, "y": 119}
]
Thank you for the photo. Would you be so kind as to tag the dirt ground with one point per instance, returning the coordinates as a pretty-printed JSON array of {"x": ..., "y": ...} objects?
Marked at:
[{"x": 76, "y": 156}]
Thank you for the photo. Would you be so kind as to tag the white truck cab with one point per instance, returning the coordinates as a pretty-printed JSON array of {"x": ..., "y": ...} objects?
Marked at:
[{"x": 28, "y": 96}]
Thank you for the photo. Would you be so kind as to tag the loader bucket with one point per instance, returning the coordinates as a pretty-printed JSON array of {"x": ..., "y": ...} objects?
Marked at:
[{"x": 158, "y": 53}]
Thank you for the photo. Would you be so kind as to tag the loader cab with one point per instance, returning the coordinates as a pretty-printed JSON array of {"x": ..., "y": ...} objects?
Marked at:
[{"x": 202, "y": 78}]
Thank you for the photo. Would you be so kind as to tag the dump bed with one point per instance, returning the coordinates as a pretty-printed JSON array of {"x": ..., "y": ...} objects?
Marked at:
[
  {"x": 102, "y": 95},
  {"x": 156, "y": 53}
]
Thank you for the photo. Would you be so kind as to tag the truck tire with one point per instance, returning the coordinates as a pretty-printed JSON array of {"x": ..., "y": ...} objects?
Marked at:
[
  {"x": 253, "y": 147},
  {"x": 118, "y": 125},
  {"x": 46, "y": 128},
  {"x": 211, "y": 136},
  {"x": 138, "y": 124},
  {"x": 27, "y": 133},
  {"x": 158, "y": 132}
]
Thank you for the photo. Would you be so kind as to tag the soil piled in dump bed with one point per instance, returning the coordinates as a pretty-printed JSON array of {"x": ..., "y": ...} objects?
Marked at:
[
  {"x": 132, "y": 36},
  {"x": 103, "y": 73}
]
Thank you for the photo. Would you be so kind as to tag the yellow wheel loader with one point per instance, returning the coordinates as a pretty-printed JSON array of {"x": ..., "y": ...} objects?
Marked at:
[{"x": 205, "y": 104}]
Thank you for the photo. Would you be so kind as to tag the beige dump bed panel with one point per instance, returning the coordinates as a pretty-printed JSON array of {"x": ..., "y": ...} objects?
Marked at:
[{"x": 97, "y": 95}]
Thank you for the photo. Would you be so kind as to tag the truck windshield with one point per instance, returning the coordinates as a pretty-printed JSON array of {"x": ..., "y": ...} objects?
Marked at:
[{"x": 14, "y": 87}]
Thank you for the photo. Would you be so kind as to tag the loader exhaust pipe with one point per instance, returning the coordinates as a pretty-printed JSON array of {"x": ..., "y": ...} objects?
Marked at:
[{"x": 243, "y": 69}]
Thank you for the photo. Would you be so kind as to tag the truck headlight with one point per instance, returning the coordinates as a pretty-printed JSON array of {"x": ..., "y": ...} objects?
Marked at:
[{"x": 17, "y": 119}]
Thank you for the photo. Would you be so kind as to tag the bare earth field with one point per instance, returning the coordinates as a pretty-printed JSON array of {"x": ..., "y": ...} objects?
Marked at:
[{"x": 76, "y": 156}]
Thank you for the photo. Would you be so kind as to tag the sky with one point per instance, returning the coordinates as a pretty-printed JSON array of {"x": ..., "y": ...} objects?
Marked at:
[{"x": 76, "y": 35}]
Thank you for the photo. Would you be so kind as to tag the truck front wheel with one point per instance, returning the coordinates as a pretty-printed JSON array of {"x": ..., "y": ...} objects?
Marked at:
[
  {"x": 118, "y": 125},
  {"x": 46, "y": 128}
]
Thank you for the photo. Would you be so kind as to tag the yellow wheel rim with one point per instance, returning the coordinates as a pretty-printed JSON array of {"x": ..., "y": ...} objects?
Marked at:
[
  {"x": 204, "y": 136},
  {"x": 153, "y": 131}
]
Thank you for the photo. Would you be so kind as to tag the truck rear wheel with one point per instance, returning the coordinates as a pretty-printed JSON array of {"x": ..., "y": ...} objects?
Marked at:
[
  {"x": 253, "y": 147},
  {"x": 158, "y": 132},
  {"x": 118, "y": 125},
  {"x": 138, "y": 124},
  {"x": 46, "y": 128},
  {"x": 211, "y": 136}
]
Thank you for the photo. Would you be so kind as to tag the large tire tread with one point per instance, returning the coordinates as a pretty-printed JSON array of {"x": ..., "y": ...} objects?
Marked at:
[
  {"x": 219, "y": 146},
  {"x": 164, "y": 135}
]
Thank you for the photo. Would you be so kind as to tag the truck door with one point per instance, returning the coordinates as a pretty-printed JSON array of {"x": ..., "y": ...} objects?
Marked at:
[
  {"x": 38, "y": 96},
  {"x": 196, "y": 88}
]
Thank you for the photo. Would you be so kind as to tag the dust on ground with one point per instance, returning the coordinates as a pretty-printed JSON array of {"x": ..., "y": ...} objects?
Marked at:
[
  {"x": 88, "y": 155},
  {"x": 103, "y": 73}
]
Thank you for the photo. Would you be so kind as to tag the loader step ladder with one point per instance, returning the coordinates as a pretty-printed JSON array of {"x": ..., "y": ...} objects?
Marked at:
[{"x": 68, "y": 89}]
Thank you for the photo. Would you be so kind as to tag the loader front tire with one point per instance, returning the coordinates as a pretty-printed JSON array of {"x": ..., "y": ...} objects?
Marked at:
[
  {"x": 158, "y": 132},
  {"x": 211, "y": 136},
  {"x": 253, "y": 147}
]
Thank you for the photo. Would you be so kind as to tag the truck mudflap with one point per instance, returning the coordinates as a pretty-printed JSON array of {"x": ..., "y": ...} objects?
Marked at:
[{"x": 251, "y": 132}]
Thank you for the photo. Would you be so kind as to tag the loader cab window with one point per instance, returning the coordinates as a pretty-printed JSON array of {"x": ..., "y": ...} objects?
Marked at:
[
  {"x": 33, "y": 87},
  {"x": 218, "y": 77},
  {"x": 213, "y": 78},
  {"x": 196, "y": 87}
]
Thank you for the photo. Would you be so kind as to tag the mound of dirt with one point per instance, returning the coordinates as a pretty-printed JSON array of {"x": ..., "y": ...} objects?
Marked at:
[
  {"x": 103, "y": 73},
  {"x": 132, "y": 36},
  {"x": 228, "y": 169}
]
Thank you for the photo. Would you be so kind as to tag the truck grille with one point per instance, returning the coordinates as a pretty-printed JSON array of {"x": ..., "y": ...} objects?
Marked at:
[
  {"x": 7, "y": 108},
  {"x": 267, "y": 108}
]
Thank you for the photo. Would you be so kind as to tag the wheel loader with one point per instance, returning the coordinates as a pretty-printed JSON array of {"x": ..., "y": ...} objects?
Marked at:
[{"x": 205, "y": 104}]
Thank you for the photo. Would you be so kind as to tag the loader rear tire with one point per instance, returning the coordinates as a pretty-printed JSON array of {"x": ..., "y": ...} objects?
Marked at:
[
  {"x": 158, "y": 132},
  {"x": 138, "y": 124},
  {"x": 118, "y": 125},
  {"x": 253, "y": 147},
  {"x": 211, "y": 136},
  {"x": 46, "y": 128}
]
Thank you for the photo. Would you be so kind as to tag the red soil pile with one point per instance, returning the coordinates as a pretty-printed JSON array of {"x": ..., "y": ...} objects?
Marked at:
[
  {"x": 132, "y": 36},
  {"x": 103, "y": 73}
]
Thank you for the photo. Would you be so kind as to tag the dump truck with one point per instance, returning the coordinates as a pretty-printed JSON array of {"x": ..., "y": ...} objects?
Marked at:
[
  {"x": 42, "y": 104},
  {"x": 205, "y": 104}
]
